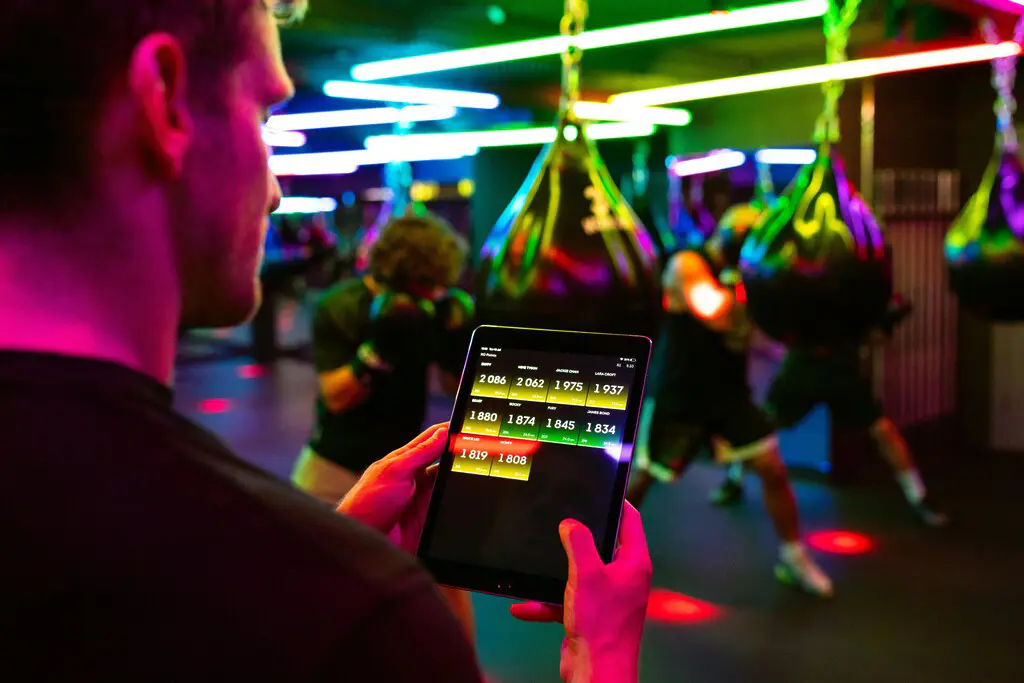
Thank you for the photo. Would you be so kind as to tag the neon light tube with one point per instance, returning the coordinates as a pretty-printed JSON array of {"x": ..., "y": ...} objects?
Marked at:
[
  {"x": 716, "y": 161},
  {"x": 341, "y": 163},
  {"x": 588, "y": 40},
  {"x": 601, "y": 111},
  {"x": 410, "y": 95},
  {"x": 796, "y": 157},
  {"x": 283, "y": 138},
  {"x": 307, "y": 205},
  {"x": 810, "y": 75},
  {"x": 361, "y": 117},
  {"x": 510, "y": 138}
]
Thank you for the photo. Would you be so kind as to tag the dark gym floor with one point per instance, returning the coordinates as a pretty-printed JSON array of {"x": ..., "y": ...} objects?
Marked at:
[{"x": 919, "y": 606}]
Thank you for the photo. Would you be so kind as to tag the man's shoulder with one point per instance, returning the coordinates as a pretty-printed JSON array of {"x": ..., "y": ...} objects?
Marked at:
[
  {"x": 183, "y": 498},
  {"x": 344, "y": 294}
]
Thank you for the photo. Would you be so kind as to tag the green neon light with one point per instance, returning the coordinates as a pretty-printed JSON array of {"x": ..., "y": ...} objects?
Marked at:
[{"x": 774, "y": 13}]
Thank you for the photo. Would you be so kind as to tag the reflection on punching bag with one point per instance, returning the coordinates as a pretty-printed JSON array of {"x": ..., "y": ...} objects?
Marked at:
[
  {"x": 985, "y": 245},
  {"x": 568, "y": 252},
  {"x": 816, "y": 268}
]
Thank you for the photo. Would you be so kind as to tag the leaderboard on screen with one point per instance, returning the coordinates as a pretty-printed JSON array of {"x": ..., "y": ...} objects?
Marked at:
[
  {"x": 561, "y": 379},
  {"x": 532, "y": 397}
]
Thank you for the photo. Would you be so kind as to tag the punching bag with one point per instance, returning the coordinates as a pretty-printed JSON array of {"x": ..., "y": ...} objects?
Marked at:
[
  {"x": 568, "y": 252},
  {"x": 985, "y": 244},
  {"x": 816, "y": 268}
]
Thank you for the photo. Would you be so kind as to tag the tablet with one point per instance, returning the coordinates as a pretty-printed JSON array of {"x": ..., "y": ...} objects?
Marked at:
[{"x": 543, "y": 430}]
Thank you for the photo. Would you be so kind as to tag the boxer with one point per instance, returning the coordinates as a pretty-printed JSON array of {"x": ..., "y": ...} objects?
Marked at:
[
  {"x": 375, "y": 338},
  {"x": 700, "y": 392},
  {"x": 832, "y": 376}
]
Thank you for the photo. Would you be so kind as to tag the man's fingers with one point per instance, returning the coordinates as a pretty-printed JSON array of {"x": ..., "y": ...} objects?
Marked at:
[
  {"x": 420, "y": 452},
  {"x": 579, "y": 546},
  {"x": 536, "y": 612},
  {"x": 632, "y": 539}
]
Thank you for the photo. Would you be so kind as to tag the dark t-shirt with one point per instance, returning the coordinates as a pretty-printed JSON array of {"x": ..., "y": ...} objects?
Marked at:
[
  {"x": 693, "y": 369},
  {"x": 137, "y": 547},
  {"x": 393, "y": 412}
]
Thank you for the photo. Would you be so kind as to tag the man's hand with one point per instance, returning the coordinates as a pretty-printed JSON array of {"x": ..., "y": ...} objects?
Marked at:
[
  {"x": 393, "y": 494},
  {"x": 605, "y": 604}
]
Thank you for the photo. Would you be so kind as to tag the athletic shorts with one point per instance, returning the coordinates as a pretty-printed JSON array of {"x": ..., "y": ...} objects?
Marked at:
[
  {"x": 729, "y": 430},
  {"x": 804, "y": 382}
]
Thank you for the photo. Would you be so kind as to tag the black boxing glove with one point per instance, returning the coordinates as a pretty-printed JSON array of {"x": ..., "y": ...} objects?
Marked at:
[
  {"x": 400, "y": 324},
  {"x": 453, "y": 328}
]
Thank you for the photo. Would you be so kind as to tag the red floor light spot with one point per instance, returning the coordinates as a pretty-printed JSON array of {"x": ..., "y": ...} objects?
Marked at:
[
  {"x": 214, "y": 405},
  {"x": 251, "y": 371},
  {"x": 840, "y": 542},
  {"x": 675, "y": 608}
]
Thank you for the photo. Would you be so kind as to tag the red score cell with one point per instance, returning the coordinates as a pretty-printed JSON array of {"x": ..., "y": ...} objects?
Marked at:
[{"x": 494, "y": 444}]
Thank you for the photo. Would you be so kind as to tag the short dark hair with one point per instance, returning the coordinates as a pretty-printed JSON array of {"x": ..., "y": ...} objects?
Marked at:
[
  {"x": 62, "y": 56},
  {"x": 418, "y": 251}
]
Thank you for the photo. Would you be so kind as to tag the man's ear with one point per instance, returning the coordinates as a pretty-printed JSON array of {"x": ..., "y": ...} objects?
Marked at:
[{"x": 156, "y": 79}]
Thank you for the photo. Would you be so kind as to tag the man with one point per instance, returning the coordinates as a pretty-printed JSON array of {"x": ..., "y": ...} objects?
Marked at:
[
  {"x": 136, "y": 545},
  {"x": 374, "y": 340},
  {"x": 700, "y": 390},
  {"x": 810, "y": 376}
]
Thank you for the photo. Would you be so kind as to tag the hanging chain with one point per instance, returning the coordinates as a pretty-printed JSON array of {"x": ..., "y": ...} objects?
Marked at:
[
  {"x": 572, "y": 25},
  {"x": 1004, "y": 74},
  {"x": 398, "y": 173},
  {"x": 837, "y": 34}
]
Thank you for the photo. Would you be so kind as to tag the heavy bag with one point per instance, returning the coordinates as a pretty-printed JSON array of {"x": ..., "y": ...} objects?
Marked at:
[
  {"x": 985, "y": 244},
  {"x": 816, "y": 268},
  {"x": 568, "y": 252}
]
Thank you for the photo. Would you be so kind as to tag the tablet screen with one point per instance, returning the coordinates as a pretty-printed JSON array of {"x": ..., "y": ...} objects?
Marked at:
[{"x": 538, "y": 436}]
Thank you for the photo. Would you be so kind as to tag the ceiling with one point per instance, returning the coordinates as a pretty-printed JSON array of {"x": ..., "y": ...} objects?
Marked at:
[{"x": 338, "y": 34}]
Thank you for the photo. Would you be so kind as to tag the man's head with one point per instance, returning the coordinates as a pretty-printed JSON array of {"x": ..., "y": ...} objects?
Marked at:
[
  {"x": 418, "y": 255},
  {"x": 148, "y": 114}
]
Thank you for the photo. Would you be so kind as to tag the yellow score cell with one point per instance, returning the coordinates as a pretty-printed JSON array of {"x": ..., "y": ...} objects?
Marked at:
[
  {"x": 472, "y": 461},
  {"x": 568, "y": 391},
  {"x": 608, "y": 395},
  {"x": 529, "y": 388},
  {"x": 490, "y": 384},
  {"x": 481, "y": 419},
  {"x": 511, "y": 466}
]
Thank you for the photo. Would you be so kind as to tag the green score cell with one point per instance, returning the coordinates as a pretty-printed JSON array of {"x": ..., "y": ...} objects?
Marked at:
[
  {"x": 519, "y": 422},
  {"x": 602, "y": 429},
  {"x": 554, "y": 429}
]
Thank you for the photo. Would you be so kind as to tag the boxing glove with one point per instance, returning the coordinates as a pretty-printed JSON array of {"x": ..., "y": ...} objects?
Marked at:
[
  {"x": 453, "y": 328},
  {"x": 399, "y": 324}
]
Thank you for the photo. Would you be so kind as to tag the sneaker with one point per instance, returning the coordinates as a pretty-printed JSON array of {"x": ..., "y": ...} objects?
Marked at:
[
  {"x": 929, "y": 514},
  {"x": 728, "y": 493},
  {"x": 802, "y": 571}
]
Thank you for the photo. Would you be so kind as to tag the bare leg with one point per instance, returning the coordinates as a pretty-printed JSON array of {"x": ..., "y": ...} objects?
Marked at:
[
  {"x": 891, "y": 445},
  {"x": 795, "y": 566},
  {"x": 894, "y": 450},
  {"x": 778, "y": 494}
]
